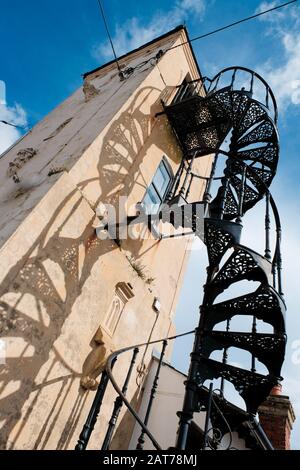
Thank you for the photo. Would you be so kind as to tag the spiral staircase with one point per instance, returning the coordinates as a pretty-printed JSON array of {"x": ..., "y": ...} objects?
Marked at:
[{"x": 239, "y": 108}]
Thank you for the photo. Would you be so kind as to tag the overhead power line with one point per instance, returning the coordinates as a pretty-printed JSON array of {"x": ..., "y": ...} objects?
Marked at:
[
  {"x": 108, "y": 33},
  {"x": 129, "y": 71},
  {"x": 235, "y": 23}
]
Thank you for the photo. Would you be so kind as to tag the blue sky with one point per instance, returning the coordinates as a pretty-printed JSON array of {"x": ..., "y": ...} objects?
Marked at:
[{"x": 47, "y": 45}]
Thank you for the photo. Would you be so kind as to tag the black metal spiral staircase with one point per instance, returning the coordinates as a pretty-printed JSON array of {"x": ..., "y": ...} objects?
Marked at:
[{"x": 202, "y": 120}]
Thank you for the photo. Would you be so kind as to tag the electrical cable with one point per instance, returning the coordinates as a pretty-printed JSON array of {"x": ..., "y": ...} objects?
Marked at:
[
  {"x": 108, "y": 34},
  {"x": 160, "y": 53},
  {"x": 131, "y": 69},
  {"x": 233, "y": 24}
]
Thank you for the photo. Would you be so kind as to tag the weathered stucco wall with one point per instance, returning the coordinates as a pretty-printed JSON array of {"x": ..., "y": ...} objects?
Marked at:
[{"x": 57, "y": 279}]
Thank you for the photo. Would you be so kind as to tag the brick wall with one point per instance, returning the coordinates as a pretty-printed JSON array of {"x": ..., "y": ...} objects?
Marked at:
[{"x": 276, "y": 415}]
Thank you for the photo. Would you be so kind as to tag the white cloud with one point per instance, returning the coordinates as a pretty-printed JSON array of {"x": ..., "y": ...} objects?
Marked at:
[
  {"x": 15, "y": 115},
  {"x": 191, "y": 6},
  {"x": 291, "y": 386},
  {"x": 275, "y": 15},
  {"x": 133, "y": 33},
  {"x": 284, "y": 78}
]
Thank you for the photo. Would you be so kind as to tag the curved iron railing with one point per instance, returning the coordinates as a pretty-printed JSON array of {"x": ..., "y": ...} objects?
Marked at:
[
  {"x": 107, "y": 375},
  {"x": 254, "y": 75}
]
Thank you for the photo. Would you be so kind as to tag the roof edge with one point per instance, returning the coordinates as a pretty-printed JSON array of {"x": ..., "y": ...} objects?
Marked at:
[{"x": 150, "y": 43}]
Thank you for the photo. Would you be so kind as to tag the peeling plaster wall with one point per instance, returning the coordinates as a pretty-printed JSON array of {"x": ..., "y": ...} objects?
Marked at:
[{"x": 57, "y": 279}]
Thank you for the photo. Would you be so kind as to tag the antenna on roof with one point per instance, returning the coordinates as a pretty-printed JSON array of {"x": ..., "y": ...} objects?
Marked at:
[{"x": 108, "y": 34}]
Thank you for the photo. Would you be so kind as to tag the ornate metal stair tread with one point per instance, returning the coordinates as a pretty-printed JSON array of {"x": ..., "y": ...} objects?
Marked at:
[
  {"x": 254, "y": 114},
  {"x": 266, "y": 155},
  {"x": 244, "y": 263},
  {"x": 264, "y": 132},
  {"x": 267, "y": 348},
  {"x": 253, "y": 387},
  {"x": 265, "y": 304},
  {"x": 219, "y": 236}
]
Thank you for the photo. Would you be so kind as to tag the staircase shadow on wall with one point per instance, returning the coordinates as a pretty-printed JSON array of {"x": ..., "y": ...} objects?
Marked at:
[{"x": 131, "y": 131}]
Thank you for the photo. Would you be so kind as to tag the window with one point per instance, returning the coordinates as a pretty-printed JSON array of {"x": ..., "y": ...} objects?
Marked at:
[
  {"x": 185, "y": 90},
  {"x": 158, "y": 188}
]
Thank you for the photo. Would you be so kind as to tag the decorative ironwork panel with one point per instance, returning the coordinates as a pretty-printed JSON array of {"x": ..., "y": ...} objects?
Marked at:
[
  {"x": 267, "y": 348},
  {"x": 242, "y": 264},
  {"x": 264, "y": 303},
  {"x": 219, "y": 237},
  {"x": 267, "y": 155},
  {"x": 253, "y": 387},
  {"x": 264, "y": 132},
  {"x": 255, "y": 114}
]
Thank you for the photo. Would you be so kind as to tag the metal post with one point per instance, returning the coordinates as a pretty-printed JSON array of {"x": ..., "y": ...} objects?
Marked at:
[
  {"x": 241, "y": 197},
  {"x": 118, "y": 405},
  {"x": 177, "y": 179},
  {"x": 141, "y": 439},
  {"x": 233, "y": 78},
  {"x": 205, "y": 439},
  {"x": 251, "y": 84},
  {"x": 224, "y": 189},
  {"x": 274, "y": 272},
  {"x": 207, "y": 195},
  {"x": 267, "y": 97},
  {"x": 216, "y": 84},
  {"x": 188, "y": 172},
  {"x": 189, "y": 186},
  {"x": 267, "y": 227},
  {"x": 224, "y": 360},
  {"x": 279, "y": 261},
  {"x": 254, "y": 331},
  {"x": 94, "y": 412},
  {"x": 191, "y": 388}
]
